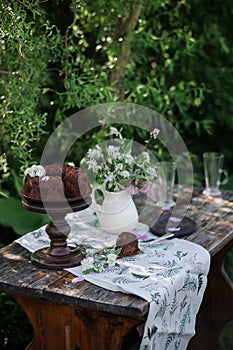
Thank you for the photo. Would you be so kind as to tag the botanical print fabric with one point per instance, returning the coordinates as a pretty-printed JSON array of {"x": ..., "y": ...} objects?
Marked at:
[{"x": 170, "y": 274}]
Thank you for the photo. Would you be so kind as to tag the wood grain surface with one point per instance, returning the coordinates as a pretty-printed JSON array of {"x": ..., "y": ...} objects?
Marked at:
[{"x": 50, "y": 297}]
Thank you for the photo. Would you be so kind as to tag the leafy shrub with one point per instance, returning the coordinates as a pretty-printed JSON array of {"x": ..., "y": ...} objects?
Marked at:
[
  {"x": 60, "y": 56},
  {"x": 16, "y": 330}
]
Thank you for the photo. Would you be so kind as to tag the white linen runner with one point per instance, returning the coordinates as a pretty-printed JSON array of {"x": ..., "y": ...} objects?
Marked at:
[{"x": 170, "y": 274}]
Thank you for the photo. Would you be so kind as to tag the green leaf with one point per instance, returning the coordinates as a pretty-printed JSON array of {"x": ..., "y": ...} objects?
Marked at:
[
  {"x": 102, "y": 258},
  {"x": 13, "y": 214},
  {"x": 18, "y": 182},
  {"x": 86, "y": 272},
  {"x": 3, "y": 194},
  {"x": 200, "y": 282},
  {"x": 151, "y": 331},
  {"x": 117, "y": 251},
  {"x": 140, "y": 277},
  {"x": 128, "y": 147},
  {"x": 169, "y": 339}
]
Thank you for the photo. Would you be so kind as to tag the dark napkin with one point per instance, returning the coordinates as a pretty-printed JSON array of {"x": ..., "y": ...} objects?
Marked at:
[{"x": 182, "y": 228}]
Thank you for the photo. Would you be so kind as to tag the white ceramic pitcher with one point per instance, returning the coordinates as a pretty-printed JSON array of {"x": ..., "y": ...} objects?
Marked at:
[{"x": 117, "y": 213}]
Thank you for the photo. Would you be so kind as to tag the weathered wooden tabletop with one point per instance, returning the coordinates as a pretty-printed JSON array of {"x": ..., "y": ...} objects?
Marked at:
[{"x": 214, "y": 219}]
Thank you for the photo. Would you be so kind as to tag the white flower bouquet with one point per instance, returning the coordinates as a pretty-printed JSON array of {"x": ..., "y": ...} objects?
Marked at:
[
  {"x": 115, "y": 167},
  {"x": 97, "y": 260}
]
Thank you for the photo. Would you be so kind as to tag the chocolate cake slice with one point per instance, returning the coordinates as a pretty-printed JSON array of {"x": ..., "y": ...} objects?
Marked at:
[{"x": 128, "y": 243}]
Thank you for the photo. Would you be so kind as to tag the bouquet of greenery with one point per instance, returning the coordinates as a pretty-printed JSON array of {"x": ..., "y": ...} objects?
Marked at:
[{"x": 116, "y": 168}]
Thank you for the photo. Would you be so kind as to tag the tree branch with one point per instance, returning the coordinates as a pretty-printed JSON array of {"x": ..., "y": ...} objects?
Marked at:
[
  {"x": 125, "y": 49},
  {"x": 22, "y": 3},
  {"x": 67, "y": 32}
]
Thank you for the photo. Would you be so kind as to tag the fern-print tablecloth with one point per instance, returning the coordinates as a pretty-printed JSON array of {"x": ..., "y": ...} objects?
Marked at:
[
  {"x": 172, "y": 277},
  {"x": 170, "y": 274}
]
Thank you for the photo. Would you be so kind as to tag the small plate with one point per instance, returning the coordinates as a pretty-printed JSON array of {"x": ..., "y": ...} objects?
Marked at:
[{"x": 185, "y": 227}]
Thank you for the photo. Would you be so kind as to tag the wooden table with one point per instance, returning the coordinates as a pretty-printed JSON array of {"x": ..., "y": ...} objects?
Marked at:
[
  {"x": 81, "y": 316},
  {"x": 215, "y": 233}
]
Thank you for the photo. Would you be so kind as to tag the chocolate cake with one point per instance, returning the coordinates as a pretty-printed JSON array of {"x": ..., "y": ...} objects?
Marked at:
[
  {"x": 128, "y": 243},
  {"x": 52, "y": 182}
]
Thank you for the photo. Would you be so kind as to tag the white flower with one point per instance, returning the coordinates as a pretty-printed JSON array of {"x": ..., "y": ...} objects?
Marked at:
[
  {"x": 92, "y": 165},
  {"x": 98, "y": 148},
  {"x": 144, "y": 157},
  {"x": 87, "y": 263},
  {"x": 99, "y": 267},
  {"x": 111, "y": 259},
  {"x": 154, "y": 133},
  {"x": 89, "y": 251},
  {"x": 35, "y": 170},
  {"x": 114, "y": 131},
  {"x": 151, "y": 171},
  {"x": 119, "y": 167},
  {"x": 129, "y": 159},
  {"x": 45, "y": 178},
  {"x": 116, "y": 167},
  {"x": 113, "y": 151},
  {"x": 94, "y": 153},
  {"x": 125, "y": 174}
]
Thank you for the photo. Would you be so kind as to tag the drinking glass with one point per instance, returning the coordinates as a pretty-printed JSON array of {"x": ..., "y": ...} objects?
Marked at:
[
  {"x": 215, "y": 175},
  {"x": 167, "y": 172}
]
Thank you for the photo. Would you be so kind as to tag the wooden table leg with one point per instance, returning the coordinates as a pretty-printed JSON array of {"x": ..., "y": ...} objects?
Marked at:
[
  {"x": 217, "y": 306},
  {"x": 102, "y": 330},
  {"x": 62, "y": 327}
]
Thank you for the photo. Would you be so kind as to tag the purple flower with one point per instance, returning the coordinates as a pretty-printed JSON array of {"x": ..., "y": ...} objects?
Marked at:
[
  {"x": 132, "y": 190},
  {"x": 148, "y": 188},
  {"x": 166, "y": 208},
  {"x": 78, "y": 279},
  {"x": 107, "y": 237},
  {"x": 143, "y": 237},
  {"x": 109, "y": 178},
  {"x": 139, "y": 236}
]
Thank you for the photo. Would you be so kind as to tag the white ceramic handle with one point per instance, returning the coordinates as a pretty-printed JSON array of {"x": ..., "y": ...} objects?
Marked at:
[{"x": 96, "y": 207}]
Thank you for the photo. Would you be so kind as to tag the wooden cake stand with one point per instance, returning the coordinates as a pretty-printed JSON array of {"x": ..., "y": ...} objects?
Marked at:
[{"x": 58, "y": 255}]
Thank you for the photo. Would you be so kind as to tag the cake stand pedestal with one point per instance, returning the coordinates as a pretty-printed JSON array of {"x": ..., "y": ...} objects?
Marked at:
[{"x": 58, "y": 255}]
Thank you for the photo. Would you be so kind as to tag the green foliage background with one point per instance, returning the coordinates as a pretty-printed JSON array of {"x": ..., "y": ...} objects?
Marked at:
[{"x": 60, "y": 56}]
